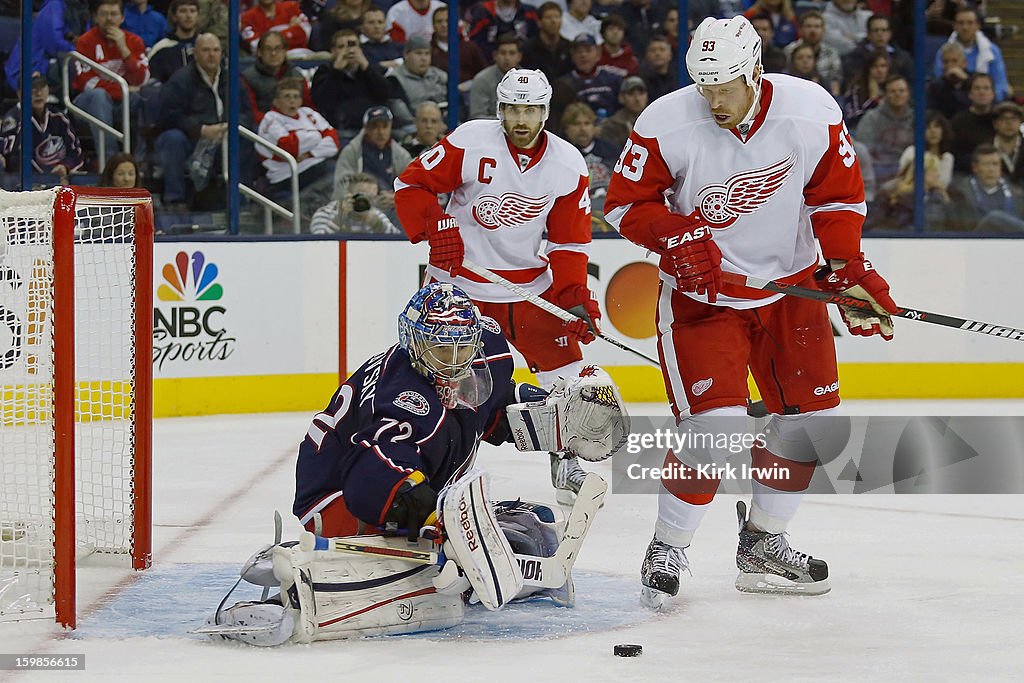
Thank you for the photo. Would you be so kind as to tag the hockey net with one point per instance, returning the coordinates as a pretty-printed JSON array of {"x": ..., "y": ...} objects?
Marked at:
[{"x": 75, "y": 390}]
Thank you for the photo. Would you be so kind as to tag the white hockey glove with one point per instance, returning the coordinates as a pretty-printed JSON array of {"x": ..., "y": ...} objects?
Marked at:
[{"x": 583, "y": 415}]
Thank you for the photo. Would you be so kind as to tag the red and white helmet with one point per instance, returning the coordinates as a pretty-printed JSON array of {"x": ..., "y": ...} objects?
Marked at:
[
  {"x": 524, "y": 86},
  {"x": 723, "y": 50}
]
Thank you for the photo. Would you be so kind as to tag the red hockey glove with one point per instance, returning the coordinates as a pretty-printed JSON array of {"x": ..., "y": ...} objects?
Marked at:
[
  {"x": 858, "y": 278},
  {"x": 582, "y": 303},
  {"x": 690, "y": 255},
  {"x": 446, "y": 247},
  {"x": 412, "y": 508}
]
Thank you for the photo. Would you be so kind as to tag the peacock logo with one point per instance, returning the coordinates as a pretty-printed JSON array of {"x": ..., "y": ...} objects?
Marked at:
[
  {"x": 190, "y": 277},
  {"x": 190, "y": 323}
]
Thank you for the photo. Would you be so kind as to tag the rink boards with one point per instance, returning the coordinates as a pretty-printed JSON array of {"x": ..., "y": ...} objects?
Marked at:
[{"x": 270, "y": 326}]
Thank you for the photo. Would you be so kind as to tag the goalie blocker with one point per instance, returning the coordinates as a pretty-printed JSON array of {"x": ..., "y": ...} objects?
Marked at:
[{"x": 376, "y": 585}]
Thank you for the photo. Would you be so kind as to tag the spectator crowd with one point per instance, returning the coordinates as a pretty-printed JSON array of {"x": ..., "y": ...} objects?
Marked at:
[{"x": 352, "y": 90}]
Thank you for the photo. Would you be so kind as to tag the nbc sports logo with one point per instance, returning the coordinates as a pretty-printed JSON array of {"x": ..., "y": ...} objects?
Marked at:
[
  {"x": 189, "y": 322},
  {"x": 190, "y": 276}
]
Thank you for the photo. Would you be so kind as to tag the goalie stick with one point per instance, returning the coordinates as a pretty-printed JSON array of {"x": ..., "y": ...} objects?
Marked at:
[
  {"x": 549, "y": 307},
  {"x": 553, "y": 571},
  {"x": 850, "y": 302}
]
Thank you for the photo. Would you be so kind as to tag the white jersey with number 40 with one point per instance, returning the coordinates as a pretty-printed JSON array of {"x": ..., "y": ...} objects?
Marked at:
[
  {"x": 505, "y": 205},
  {"x": 766, "y": 195}
]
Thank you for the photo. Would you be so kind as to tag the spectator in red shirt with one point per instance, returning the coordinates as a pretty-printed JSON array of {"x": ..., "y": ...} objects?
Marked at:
[
  {"x": 285, "y": 18},
  {"x": 120, "y": 51},
  {"x": 616, "y": 55}
]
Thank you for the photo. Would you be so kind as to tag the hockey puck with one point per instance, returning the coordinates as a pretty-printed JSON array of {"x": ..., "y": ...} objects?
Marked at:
[{"x": 628, "y": 650}]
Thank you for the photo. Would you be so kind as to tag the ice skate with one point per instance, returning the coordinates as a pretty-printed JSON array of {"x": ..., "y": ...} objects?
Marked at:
[
  {"x": 660, "y": 573},
  {"x": 768, "y": 564},
  {"x": 567, "y": 477}
]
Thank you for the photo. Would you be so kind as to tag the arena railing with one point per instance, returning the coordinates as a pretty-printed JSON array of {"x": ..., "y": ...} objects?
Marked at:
[{"x": 124, "y": 135}]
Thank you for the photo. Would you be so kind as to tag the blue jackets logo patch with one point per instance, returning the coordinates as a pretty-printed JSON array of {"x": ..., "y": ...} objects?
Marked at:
[{"x": 414, "y": 402}]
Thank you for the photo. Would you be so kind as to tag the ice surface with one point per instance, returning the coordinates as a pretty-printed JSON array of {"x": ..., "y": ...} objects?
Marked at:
[{"x": 924, "y": 587}]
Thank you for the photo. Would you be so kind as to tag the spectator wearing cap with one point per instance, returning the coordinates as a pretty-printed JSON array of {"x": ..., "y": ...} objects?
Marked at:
[
  {"x": 659, "y": 69},
  {"x": 493, "y": 18},
  {"x": 375, "y": 152},
  {"x": 616, "y": 55},
  {"x": 948, "y": 93},
  {"x": 878, "y": 41},
  {"x": 983, "y": 56},
  {"x": 826, "y": 59},
  {"x": 782, "y": 17},
  {"x": 483, "y": 97},
  {"x": 587, "y": 82},
  {"x": 377, "y": 44},
  {"x": 579, "y": 20},
  {"x": 1007, "y": 120},
  {"x": 416, "y": 79},
  {"x": 634, "y": 99},
  {"x": 285, "y": 18},
  {"x": 471, "y": 59},
  {"x": 344, "y": 88},
  {"x": 55, "y": 146},
  {"x": 548, "y": 51},
  {"x": 984, "y": 201},
  {"x": 271, "y": 67},
  {"x": 973, "y": 126}
]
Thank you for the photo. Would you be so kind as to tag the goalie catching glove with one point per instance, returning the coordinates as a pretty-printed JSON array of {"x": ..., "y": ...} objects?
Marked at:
[
  {"x": 584, "y": 416},
  {"x": 857, "y": 278}
]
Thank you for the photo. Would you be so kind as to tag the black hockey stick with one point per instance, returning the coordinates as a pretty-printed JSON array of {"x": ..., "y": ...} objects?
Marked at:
[
  {"x": 549, "y": 307},
  {"x": 850, "y": 302}
]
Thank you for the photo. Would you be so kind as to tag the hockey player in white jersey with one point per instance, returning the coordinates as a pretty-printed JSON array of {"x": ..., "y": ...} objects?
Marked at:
[
  {"x": 753, "y": 167},
  {"x": 512, "y": 185}
]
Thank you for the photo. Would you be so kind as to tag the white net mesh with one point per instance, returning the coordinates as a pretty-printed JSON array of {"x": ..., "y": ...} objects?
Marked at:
[{"x": 104, "y": 390}]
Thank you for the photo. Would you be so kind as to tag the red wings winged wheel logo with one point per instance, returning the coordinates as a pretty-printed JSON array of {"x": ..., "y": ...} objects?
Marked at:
[
  {"x": 743, "y": 193},
  {"x": 509, "y": 210}
]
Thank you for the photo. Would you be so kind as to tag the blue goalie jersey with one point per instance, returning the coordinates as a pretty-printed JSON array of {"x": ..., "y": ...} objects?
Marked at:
[{"x": 386, "y": 421}]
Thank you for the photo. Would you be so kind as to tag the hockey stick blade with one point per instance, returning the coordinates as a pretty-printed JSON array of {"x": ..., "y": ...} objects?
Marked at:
[
  {"x": 1011, "y": 333},
  {"x": 550, "y": 307}
]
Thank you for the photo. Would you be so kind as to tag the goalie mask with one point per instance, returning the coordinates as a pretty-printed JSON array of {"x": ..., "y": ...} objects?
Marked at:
[{"x": 440, "y": 330}]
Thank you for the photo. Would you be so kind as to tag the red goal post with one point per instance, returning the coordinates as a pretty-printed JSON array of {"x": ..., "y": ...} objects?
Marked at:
[{"x": 76, "y": 315}]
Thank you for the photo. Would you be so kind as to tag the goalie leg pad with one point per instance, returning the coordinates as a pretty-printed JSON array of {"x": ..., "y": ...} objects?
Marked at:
[
  {"x": 475, "y": 541},
  {"x": 327, "y": 595}
]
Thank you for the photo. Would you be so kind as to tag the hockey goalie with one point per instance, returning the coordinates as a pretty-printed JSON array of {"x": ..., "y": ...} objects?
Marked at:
[{"x": 400, "y": 528}]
